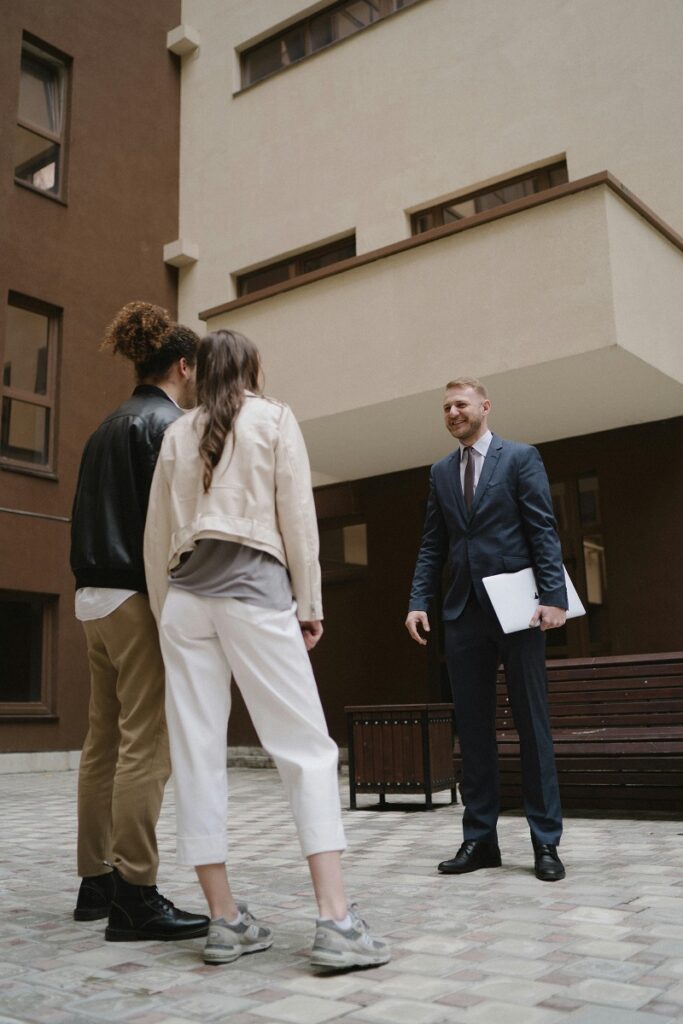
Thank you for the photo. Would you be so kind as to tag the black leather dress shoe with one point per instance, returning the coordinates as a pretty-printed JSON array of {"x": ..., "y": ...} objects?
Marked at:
[
  {"x": 94, "y": 897},
  {"x": 141, "y": 912},
  {"x": 547, "y": 863},
  {"x": 472, "y": 855}
]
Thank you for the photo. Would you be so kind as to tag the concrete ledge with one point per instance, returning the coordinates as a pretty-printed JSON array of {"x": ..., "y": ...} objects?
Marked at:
[
  {"x": 181, "y": 253},
  {"x": 40, "y": 761},
  {"x": 182, "y": 40}
]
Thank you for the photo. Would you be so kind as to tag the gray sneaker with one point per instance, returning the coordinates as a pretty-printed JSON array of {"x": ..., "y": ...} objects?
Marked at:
[
  {"x": 227, "y": 942},
  {"x": 336, "y": 948}
]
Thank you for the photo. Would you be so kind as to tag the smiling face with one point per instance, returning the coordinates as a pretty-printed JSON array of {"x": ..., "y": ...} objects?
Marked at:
[{"x": 465, "y": 414}]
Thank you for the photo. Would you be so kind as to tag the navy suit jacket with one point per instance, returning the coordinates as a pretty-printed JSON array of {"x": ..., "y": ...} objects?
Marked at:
[{"x": 511, "y": 526}]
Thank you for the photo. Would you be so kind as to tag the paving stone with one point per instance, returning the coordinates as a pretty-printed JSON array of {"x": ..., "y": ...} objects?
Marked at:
[
  {"x": 509, "y": 1013},
  {"x": 594, "y": 967},
  {"x": 494, "y": 947},
  {"x": 613, "y": 993},
  {"x": 608, "y": 1015},
  {"x": 303, "y": 1009},
  {"x": 606, "y": 950},
  {"x": 675, "y": 994},
  {"x": 417, "y": 986},
  {"x": 403, "y": 1011},
  {"x": 515, "y": 990}
]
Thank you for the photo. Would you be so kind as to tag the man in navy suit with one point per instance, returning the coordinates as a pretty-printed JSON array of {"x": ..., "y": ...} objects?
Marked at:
[{"x": 490, "y": 511}]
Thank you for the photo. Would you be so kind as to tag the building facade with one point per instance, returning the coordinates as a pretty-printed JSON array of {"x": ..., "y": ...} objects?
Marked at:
[
  {"x": 89, "y": 117},
  {"x": 386, "y": 194},
  {"x": 383, "y": 194}
]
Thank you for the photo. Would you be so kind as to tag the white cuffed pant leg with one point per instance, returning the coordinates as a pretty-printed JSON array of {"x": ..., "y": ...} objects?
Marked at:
[{"x": 204, "y": 640}]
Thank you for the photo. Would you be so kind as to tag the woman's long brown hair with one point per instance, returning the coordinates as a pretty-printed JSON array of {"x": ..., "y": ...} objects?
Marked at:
[{"x": 228, "y": 364}]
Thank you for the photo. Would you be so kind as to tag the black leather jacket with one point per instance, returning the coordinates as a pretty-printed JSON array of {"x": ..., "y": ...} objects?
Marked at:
[{"x": 112, "y": 493}]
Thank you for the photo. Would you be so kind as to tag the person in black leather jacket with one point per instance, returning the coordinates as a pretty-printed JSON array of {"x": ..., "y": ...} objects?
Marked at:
[{"x": 125, "y": 761}]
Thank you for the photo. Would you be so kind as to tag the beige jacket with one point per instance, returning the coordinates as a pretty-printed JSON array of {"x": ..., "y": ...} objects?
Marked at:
[{"x": 260, "y": 496}]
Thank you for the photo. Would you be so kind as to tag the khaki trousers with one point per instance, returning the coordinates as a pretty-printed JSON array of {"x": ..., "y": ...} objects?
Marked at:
[{"x": 125, "y": 761}]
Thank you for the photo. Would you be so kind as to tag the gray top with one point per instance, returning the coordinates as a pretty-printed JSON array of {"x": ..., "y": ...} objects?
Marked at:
[{"x": 222, "y": 568}]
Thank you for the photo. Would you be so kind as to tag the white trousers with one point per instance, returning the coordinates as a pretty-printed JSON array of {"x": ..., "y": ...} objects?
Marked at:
[{"x": 204, "y": 640}]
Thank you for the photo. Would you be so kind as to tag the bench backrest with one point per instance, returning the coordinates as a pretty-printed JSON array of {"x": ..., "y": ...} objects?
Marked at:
[{"x": 641, "y": 690}]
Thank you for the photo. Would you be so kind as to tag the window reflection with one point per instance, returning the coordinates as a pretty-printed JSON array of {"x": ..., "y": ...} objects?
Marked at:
[
  {"x": 594, "y": 567},
  {"x": 28, "y": 383},
  {"x": 339, "y": 21},
  {"x": 24, "y": 431},
  {"x": 40, "y": 119},
  {"x": 25, "y": 358},
  {"x": 40, "y": 94},
  {"x": 343, "y": 551},
  {"x": 489, "y": 199},
  {"x": 21, "y": 643}
]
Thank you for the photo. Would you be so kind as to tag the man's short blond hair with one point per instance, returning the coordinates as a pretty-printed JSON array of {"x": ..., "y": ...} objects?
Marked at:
[{"x": 468, "y": 382}]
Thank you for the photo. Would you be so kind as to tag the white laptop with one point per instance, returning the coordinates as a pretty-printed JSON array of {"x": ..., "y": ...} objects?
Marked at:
[{"x": 515, "y": 598}]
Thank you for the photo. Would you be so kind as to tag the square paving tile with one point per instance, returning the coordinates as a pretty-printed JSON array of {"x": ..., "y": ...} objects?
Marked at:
[{"x": 492, "y": 947}]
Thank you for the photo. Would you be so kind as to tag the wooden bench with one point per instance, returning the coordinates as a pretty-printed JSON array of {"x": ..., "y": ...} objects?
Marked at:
[
  {"x": 400, "y": 748},
  {"x": 617, "y": 725}
]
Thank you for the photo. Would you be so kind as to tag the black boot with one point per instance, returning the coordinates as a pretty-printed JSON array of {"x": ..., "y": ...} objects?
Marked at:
[
  {"x": 472, "y": 855},
  {"x": 141, "y": 912},
  {"x": 94, "y": 897},
  {"x": 547, "y": 864}
]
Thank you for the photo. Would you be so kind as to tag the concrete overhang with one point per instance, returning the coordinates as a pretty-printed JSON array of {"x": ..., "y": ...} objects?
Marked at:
[{"x": 569, "y": 311}]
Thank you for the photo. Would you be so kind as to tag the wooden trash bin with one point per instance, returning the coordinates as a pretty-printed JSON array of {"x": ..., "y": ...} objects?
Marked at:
[{"x": 400, "y": 748}]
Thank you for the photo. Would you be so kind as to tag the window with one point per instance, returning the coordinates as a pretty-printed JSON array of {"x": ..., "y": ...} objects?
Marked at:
[
  {"x": 329, "y": 26},
  {"x": 490, "y": 197},
  {"x": 343, "y": 551},
  {"x": 29, "y": 364},
  {"x": 304, "y": 263},
  {"x": 39, "y": 144},
  {"x": 576, "y": 502},
  {"x": 25, "y": 636}
]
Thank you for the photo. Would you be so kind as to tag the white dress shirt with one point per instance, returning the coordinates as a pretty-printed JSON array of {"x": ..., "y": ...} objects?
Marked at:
[{"x": 480, "y": 448}]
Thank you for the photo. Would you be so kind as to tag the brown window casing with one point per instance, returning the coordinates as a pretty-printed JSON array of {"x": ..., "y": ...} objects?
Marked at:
[
  {"x": 343, "y": 549},
  {"x": 601, "y": 179},
  {"x": 27, "y": 653},
  {"x": 303, "y": 263},
  {"x": 40, "y": 148},
  {"x": 489, "y": 198},
  {"x": 41, "y": 397},
  {"x": 304, "y": 38}
]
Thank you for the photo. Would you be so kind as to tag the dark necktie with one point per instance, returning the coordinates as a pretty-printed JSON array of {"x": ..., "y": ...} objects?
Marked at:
[{"x": 468, "y": 487}]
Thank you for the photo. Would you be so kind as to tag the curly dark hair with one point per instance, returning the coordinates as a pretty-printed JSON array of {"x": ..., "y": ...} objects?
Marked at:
[{"x": 146, "y": 334}]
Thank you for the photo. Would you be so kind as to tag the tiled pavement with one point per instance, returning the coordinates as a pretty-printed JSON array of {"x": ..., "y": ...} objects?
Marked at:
[{"x": 605, "y": 946}]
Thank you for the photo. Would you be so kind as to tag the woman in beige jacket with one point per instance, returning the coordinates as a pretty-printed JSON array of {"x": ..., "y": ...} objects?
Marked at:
[{"x": 231, "y": 557}]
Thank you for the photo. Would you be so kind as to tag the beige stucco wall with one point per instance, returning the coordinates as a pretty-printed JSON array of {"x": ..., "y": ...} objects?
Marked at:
[
  {"x": 523, "y": 290},
  {"x": 444, "y": 96},
  {"x": 569, "y": 311}
]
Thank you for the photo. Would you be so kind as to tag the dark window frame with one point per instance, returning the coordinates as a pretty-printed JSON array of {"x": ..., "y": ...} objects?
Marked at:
[
  {"x": 34, "y": 50},
  {"x": 436, "y": 212},
  {"x": 294, "y": 265},
  {"x": 384, "y": 9},
  {"x": 47, "y": 401},
  {"x": 43, "y": 707},
  {"x": 342, "y": 572}
]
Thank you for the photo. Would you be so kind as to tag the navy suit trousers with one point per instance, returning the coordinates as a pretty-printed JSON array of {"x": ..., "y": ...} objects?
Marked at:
[{"x": 475, "y": 647}]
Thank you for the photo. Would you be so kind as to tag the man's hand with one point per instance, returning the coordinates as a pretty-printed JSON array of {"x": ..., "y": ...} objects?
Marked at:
[
  {"x": 548, "y": 617},
  {"x": 311, "y": 631},
  {"x": 414, "y": 620}
]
